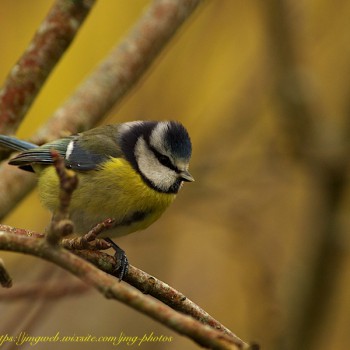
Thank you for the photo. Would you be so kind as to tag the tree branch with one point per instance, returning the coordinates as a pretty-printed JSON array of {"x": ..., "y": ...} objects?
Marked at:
[
  {"x": 111, "y": 288},
  {"x": 137, "y": 278},
  {"x": 121, "y": 69},
  {"x": 29, "y": 74},
  {"x": 148, "y": 284}
]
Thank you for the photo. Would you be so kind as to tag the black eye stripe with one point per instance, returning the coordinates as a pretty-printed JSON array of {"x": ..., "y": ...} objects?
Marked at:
[{"x": 163, "y": 159}]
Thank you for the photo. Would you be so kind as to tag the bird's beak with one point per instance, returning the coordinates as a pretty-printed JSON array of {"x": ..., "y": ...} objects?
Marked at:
[{"x": 186, "y": 176}]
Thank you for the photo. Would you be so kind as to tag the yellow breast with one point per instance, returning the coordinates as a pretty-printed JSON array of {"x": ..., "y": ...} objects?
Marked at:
[{"x": 115, "y": 191}]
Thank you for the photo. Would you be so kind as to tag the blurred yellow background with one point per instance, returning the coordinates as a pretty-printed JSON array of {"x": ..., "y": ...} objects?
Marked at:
[{"x": 238, "y": 241}]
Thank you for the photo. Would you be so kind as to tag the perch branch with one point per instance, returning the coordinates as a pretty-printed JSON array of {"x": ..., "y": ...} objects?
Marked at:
[
  {"x": 29, "y": 74},
  {"x": 139, "y": 279},
  {"x": 110, "y": 288},
  {"x": 148, "y": 284},
  {"x": 106, "y": 86}
]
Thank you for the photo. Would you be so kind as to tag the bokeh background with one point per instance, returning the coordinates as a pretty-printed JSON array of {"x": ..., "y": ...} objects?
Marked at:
[{"x": 261, "y": 239}]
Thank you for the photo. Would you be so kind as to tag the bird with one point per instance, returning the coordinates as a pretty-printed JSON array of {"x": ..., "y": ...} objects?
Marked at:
[{"x": 129, "y": 172}]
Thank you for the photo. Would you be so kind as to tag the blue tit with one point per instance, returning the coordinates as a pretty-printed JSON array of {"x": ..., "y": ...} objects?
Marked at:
[{"x": 128, "y": 172}]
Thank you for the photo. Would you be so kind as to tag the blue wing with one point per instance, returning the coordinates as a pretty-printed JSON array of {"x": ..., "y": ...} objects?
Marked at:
[{"x": 85, "y": 151}]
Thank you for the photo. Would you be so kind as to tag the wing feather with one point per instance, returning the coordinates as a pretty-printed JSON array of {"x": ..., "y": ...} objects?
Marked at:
[{"x": 87, "y": 150}]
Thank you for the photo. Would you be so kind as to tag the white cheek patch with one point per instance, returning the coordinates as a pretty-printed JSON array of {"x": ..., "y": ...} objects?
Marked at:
[
  {"x": 161, "y": 176},
  {"x": 69, "y": 150}
]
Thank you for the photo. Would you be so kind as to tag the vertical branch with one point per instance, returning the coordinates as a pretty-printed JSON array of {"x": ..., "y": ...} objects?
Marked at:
[
  {"x": 296, "y": 114},
  {"x": 29, "y": 74},
  {"x": 68, "y": 181},
  {"x": 325, "y": 164}
]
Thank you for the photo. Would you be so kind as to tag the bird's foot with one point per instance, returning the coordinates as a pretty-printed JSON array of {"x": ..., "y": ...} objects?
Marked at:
[{"x": 122, "y": 261}]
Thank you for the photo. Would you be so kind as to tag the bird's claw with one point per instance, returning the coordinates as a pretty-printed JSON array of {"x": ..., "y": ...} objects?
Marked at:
[{"x": 122, "y": 261}]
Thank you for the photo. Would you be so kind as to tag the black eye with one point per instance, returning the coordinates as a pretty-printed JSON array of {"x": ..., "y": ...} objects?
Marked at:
[{"x": 165, "y": 160}]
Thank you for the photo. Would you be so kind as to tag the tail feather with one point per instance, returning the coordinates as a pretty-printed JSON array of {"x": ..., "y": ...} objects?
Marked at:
[{"x": 15, "y": 144}]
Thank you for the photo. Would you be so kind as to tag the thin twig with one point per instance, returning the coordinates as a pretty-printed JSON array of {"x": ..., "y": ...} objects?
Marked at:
[
  {"x": 116, "y": 75},
  {"x": 21, "y": 231},
  {"x": 5, "y": 278},
  {"x": 30, "y": 315},
  {"x": 80, "y": 243},
  {"x": 38, "y": 290},
  {"x": 89, "y": 241},
  {"x": 110, "y": 288},
  {"x": 60, "y": 224},
  {"x": 29, "y": 74}
]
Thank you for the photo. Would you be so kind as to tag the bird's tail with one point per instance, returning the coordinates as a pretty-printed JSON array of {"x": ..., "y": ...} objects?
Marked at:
[{"x": 15, "y": 144}]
